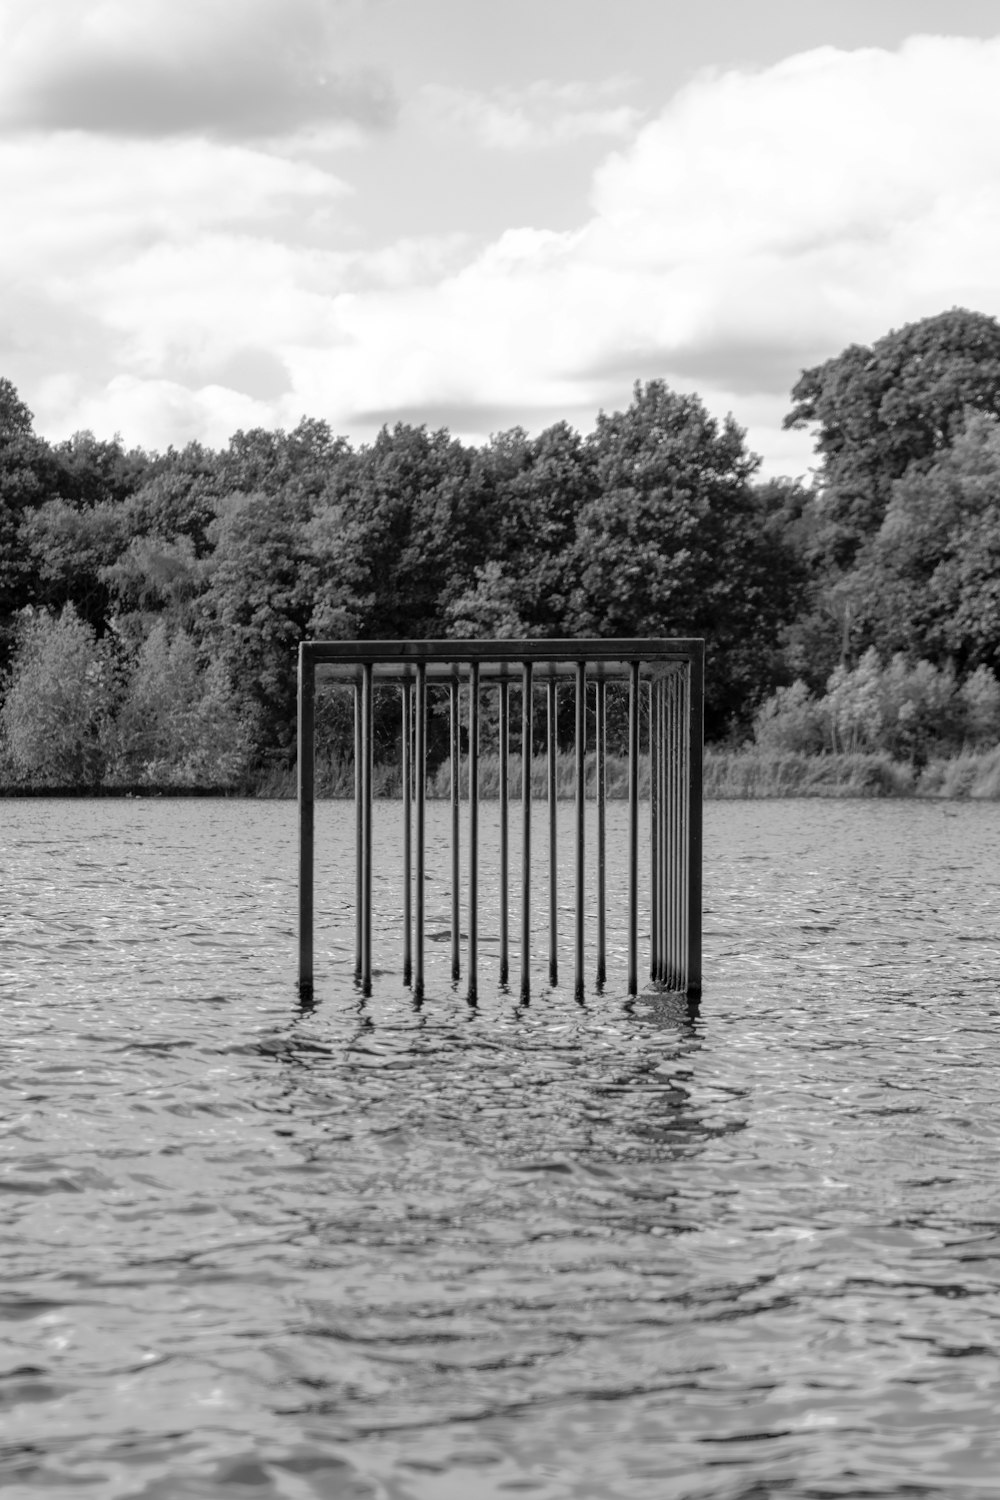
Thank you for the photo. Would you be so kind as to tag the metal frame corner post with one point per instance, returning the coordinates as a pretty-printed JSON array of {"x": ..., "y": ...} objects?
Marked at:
[
  {"x": 696, "y": 738},
  {"x": 473, "y": 946},
  {"x": 420, "y": 771},
  {"x": 633, "y": 828},
  {"x": 306, "y": 749},
  {"x": 527, "y": 685}
]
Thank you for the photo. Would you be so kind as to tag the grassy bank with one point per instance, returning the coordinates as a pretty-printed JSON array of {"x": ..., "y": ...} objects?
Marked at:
[{"x": 728, "y": 774}]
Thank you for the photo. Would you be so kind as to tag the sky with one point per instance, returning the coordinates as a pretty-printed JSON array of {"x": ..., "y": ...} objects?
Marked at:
[{"x": 226, "y": 214}]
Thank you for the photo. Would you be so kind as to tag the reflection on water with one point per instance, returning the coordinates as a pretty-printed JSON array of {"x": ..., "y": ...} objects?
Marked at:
[{"x": 614, "y": 1249}]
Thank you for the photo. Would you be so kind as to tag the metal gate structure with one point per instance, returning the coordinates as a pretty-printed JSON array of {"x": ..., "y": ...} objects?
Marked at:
[{"x": 664, "y": 676}]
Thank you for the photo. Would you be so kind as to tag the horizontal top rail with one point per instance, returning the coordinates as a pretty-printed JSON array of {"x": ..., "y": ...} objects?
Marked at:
[{"x": 344, "y": 661}]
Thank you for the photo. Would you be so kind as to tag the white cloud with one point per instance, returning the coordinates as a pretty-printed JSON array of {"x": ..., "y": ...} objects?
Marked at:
[
  {"x": 539, "y": 115},
  {"x": 169, "y": 67},
  {"x": 761, "y": 223}
]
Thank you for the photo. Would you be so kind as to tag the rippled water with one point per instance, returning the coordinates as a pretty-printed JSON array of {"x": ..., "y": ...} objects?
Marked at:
[{"x": 600, "y": 1250}]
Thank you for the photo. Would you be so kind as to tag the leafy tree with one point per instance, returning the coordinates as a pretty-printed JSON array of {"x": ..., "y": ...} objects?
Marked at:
[
  {"x": 674, "y": 543},
  {"x": 179, "y": 723},
  {"x": 57, "y": 717},
  {"x": 15, "y": 418},
  {"x": 67, "y": 548},
  {"x": 177, "y": 497},
  {"x": 533, "y": 490},
  {"x": 92, "y": 471},
  {"x": 929, "y": 581},
  {"x": 299, "y": 462},
  {"x": 884, "y": 411},
  {"x": 402, "y": 530},
  {"x": 258, "y": 602}
]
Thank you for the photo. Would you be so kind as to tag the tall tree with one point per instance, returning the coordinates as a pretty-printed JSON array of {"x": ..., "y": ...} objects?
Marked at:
[
  {"x": 883, "y": 411},
  {"x": 674, "y": 544}
]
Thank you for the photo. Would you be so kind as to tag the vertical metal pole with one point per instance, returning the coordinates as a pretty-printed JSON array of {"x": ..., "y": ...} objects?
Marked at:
[
  {"x": 695, "y": 743},
  {"x": 654, "y": 843},
  {"x": 306, "y": 778},
  {"x": 473, "y": 828},
  {"x": 581, "y": 806},
  {"x": 601, "y": 769},
  {"x": 633, "y": 828},
  {"x": 407, "y": 839},
  {"x": 526, "y": 753},
  {"x": 683, "y": 818},
  {"x": 367, "y": 764},
  {"x": 673, "y": 883},
  {"x": 359, "y": 839},
  {"x": 553, "y": 791},
  {"x": 680, "y": 873},
  {"x": 421, "y": 798},
  {"x": 456, "y": 779},
  {"x": 504, "y": 730},
  {"x": 664, "y": 832}
]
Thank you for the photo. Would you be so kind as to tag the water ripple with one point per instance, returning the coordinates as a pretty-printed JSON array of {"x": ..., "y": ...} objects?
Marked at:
[{"x": 581, "y": 1250}]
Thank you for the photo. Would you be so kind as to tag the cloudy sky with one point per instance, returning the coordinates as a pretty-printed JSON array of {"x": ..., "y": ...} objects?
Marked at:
[{"x": 233, "y": 213}]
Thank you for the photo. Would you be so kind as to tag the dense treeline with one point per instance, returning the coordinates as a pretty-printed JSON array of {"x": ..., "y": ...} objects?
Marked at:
[{"x": 151, "y": 604}]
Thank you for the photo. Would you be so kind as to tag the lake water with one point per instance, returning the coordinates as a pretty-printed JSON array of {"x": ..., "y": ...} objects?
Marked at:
[{"x": 603, "y": 1250}]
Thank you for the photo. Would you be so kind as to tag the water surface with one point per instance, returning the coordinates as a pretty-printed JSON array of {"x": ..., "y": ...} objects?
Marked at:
[{"x": 594, "y": 1250}]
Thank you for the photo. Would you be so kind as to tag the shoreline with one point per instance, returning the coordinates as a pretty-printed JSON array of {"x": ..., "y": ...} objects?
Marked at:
[{"x": 729, "y": 775}]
